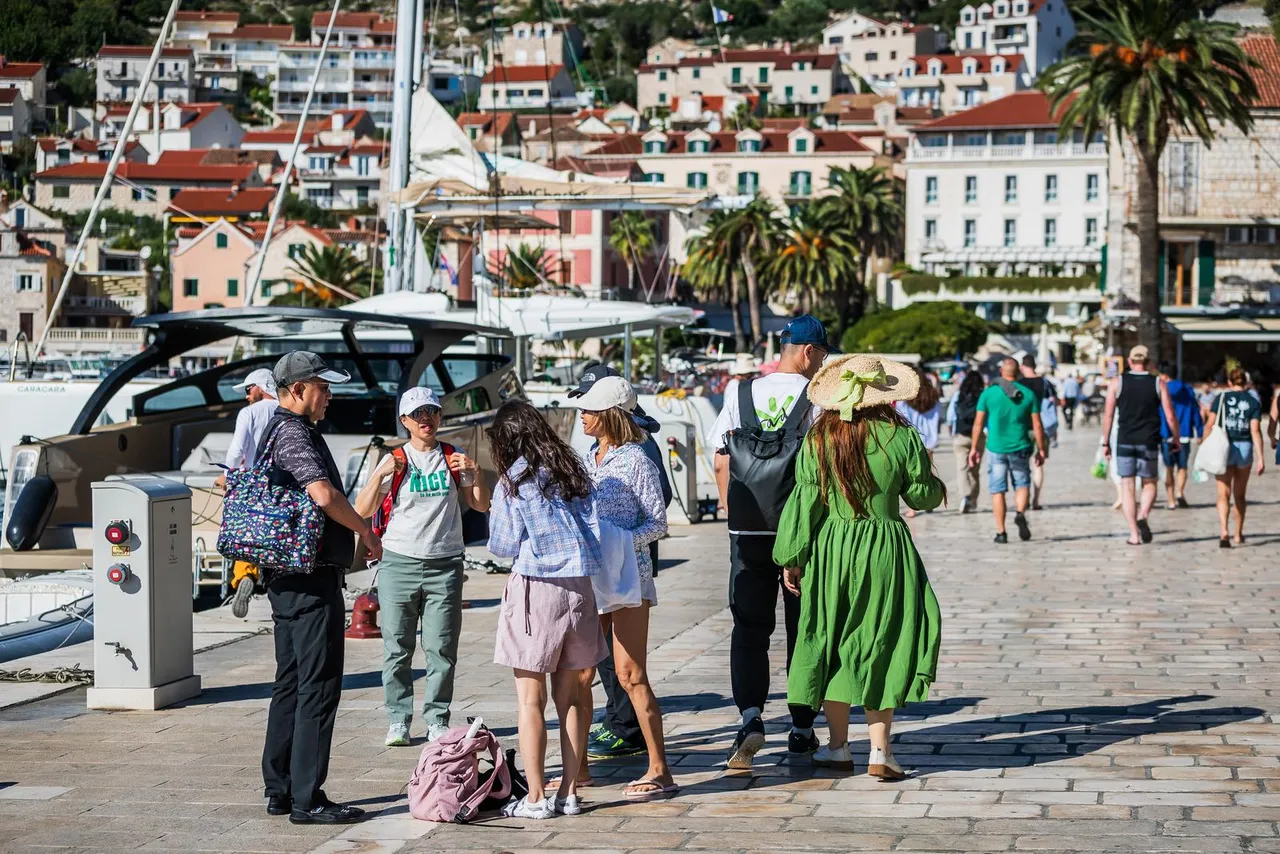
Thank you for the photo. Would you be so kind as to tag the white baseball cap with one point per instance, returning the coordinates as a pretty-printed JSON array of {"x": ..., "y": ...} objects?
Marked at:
[
  {"x": 417, "y": 397},
  {"x": 262, "y": 378},
  {"x": 606, "y": 393}
]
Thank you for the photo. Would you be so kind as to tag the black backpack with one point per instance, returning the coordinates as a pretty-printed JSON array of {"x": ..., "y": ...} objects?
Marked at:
[
  {"x": 762, "y": 464},
  {"x": 966, "y": 414}
]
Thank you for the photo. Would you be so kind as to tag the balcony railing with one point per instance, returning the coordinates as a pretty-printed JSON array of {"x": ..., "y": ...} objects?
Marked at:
[
  {"x": 387, "y": 61},
  {"x": 1004, "y": 152},
  {"x": 127, "y": 74},
  {"x": 541, "y": 102},
  {"x": 127, "y": 304},
  {"x": 321, "y": 86},
  {"x": 384, "y": 85},
  {"x": 65, "y": 335}
]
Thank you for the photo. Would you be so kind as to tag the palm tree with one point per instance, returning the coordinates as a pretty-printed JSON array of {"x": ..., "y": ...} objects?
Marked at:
[
  {"x": 326, "y": 277},
  {"x": 711, "y": 270},
  {"x": 523, "y": 268},
  {"x": 631, "y": 236},
  {"x": 749, "y": 233},
  {"x": 1150, "y": 69},
  {"x": 866, "y": 206},
  {"x": 815, "y": 259}
]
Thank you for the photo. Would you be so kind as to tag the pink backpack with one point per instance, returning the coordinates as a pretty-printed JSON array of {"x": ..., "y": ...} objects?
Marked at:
[{"x": 447, "y": 784}]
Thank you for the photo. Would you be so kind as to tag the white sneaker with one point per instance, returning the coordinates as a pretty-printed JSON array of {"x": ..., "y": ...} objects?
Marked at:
[
  {"x": 568, "y": 806},
  {"x": 881, "y": 764},
  {"x": 524, "y": 808},
  {"x": 397, "y": 735},
  {"x": 434, "y": 731},
  {"x": 837, "y": 759}
]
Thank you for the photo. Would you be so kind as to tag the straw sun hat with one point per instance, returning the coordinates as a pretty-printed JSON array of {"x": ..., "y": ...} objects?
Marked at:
[{"x": 846, "y": 383}]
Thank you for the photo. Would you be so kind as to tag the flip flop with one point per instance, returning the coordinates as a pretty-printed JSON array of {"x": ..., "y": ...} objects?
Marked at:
[
  {"x": 582, "y": 784},
  {"x": 657, "y": 793},
  {"x": 1145, "y": 530}
]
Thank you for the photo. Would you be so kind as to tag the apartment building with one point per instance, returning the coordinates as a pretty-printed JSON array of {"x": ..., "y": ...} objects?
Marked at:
[
  {"x": 342, "y": 127},
  {"x": 227, "y": 59},
  {"x": 874, "y": 49},
  {"x": 492, "y": 132},
  {"x": 950, "y": 83},
  {"x": 29, "y": 278},
  {"x": 527, "y": 87},
  {"x": 804, "y": 81},
  {"x": 994, "y": 191},
  {"x": 195, "y": 29},
  {"x": 555, "y": 42},
  {"x": 143, "y": 189},
  {"x": 343, "y": 177},
  {"x": 875, "y": 115},
  {"x": 31, "y": 80},
  {"x": 1039, "y": 30},
  {"x": 1219, "y": 227},
  {"x": 120, "y": 70},
  {"x": 210, "y": 205},
  {"x": 15, "y": 118},
  {"x": 790, "y": 165},
  {"x": 174, "y": 126},
  {"x": 54, "y": 151}
]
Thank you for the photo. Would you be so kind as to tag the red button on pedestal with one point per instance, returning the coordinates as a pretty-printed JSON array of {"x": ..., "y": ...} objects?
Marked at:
[
  {"x": 117, "y": 573},
  {"x": 117, "y": 533}
]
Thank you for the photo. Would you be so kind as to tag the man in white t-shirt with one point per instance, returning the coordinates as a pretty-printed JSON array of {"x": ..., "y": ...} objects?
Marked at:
[
  {"x": 259, "y": 389},
  {"x": 754, "y": 579},
  {"x": 418, "y": 491}
]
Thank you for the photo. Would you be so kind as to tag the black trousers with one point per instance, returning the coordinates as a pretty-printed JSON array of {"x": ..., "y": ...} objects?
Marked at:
[
  {"x": 754, "y": 582},
  {"x": 619, "y": 715},
  {"x": 1069, "y": 412},
  {"x": 309, "y": 617}
]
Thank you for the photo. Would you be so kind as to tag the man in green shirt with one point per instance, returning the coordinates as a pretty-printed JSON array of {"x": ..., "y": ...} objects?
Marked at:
[{"x": 1010, "y": 413}]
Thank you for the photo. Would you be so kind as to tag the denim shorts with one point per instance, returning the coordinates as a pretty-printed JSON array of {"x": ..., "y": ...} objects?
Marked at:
[
  {"x": 1241, "y": 454},
  {"x": 1000, "y": 467},
  {"x": 1172, "y": 460},
  {"x": 1137, "y": 461}
]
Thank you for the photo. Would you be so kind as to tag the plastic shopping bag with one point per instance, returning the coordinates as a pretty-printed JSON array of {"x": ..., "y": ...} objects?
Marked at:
[
  {"x": 1099, "y": 469},
  {"x": 617, "y": 585}
]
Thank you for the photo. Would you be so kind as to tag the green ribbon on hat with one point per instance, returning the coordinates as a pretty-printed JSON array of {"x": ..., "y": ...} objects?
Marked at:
[{"x": 852, "y": 386}]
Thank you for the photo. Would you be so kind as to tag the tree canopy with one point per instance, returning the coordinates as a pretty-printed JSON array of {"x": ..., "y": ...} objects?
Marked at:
[{"x": 935, "y": 330}]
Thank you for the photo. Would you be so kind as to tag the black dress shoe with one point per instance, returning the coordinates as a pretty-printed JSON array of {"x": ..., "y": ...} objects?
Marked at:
[
  {"x": 279, "y": 804},
  {"x": 327, "y": 813}
]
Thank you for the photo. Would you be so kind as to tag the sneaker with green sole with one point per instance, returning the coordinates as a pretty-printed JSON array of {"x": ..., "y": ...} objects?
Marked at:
[{"x": 605, "y": 745}]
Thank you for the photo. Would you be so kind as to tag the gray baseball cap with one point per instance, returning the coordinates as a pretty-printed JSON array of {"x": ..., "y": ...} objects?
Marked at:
[{"x": 301, "y": 365}]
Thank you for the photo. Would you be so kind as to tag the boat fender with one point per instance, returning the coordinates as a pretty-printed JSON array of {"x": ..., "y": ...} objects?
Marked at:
[{"x": 31, "y": 512}]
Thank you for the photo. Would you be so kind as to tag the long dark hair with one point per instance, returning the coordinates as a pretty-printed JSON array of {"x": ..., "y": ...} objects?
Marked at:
[
  {"x": 928, "y": 396},
  {"x": 519, "y": 431},
  {"x": 973, "y": 385},
  {"x": 841, "y": 449}
]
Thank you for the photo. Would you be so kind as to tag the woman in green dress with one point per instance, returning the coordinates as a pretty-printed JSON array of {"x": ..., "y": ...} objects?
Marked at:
[{"x": 869, "y": 622}]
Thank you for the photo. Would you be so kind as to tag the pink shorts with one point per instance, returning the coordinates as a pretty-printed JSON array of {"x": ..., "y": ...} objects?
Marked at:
[{"x": 549, "y": 624}]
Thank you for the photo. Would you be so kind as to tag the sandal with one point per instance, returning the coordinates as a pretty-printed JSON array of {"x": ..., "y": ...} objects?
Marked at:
[
  {"x": 654, "y": 790},
  {"x": 553, "y": 785},
  {"x": 1224, "y": 542}
]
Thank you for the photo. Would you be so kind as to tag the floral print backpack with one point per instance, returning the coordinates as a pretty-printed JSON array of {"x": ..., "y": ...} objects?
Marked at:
[{"x": 272, "y": 525}]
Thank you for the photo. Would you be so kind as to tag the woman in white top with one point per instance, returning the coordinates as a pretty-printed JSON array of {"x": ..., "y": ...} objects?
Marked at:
[{"x": 924, "y": 413}]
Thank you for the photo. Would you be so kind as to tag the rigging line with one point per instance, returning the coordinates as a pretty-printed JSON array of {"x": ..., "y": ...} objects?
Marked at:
[
  {"x": 551, "y": 128},
  {"x": 73, "y": 261}
]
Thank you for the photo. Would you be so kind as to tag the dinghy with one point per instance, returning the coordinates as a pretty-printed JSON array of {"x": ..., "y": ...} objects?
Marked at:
[{"x": 42, "y": 613}]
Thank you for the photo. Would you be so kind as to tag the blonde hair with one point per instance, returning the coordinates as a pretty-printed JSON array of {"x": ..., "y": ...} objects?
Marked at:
[{"x": 617, "y": 427}]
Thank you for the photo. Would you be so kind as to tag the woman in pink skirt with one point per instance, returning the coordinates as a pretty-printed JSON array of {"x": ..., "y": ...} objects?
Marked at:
[{"x": 543, "y": 515}]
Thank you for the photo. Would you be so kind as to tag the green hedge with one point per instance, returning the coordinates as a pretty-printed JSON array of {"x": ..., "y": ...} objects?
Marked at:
[
  {"x": 932, "y": 329},
  {"x": 923, "y": 283}
]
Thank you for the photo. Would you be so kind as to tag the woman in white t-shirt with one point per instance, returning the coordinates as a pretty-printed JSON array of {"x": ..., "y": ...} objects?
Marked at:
[{"x": 415, "y": 497}]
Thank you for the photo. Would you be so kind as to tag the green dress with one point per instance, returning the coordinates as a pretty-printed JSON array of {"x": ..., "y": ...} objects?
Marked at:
[{"x": 869, "y": 622}]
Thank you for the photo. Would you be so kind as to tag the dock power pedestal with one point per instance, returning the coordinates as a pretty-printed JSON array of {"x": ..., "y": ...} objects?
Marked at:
[{"x": 142, "y": 635}]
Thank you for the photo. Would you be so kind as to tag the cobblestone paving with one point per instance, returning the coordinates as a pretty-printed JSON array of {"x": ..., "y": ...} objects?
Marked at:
[{"x": 1091, "y": 697}]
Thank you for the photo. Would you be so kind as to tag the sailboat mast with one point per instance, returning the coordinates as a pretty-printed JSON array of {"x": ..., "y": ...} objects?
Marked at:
[{"x": 398, "y": 249}]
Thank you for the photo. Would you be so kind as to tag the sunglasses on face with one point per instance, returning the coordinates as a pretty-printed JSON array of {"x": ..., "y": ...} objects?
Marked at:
[{"x": 423, "y": 413}]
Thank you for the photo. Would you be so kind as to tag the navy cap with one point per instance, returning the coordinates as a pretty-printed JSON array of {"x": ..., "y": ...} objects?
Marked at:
[
  {"x": 807, "y": 329},
  {"x": 589, "y": 378}
]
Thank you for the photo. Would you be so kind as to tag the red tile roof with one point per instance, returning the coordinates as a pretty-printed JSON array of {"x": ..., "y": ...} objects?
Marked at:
[
  {"x": 142, "y": 51},
  {"x": 223, "y": 203},
  {"x": 1019, "y": 110},
  {"x": 284, "y": 131},
  {"x": 142, "y": 173},
  {"x": 1263, "y": 48},
  {"x": 485, "y": 121},
  {"x": 261, "y": 32},
  {"x": 772, "y": 142},
  {"x": 50, "y": 143},
  {"x": 220, "y": 17},
  {"x": 521, "y": 73},
  {"x": 348, "y": 20},
  {"x": 8, "y": 96},
  {"x": 953, "y": 64},
  {"x": 224, "y": 156},
  {"x": 780, "y": 59},
  {"x": 193, "y": 157},
  {"x": 789, "y": 124},
  {"x": 192, "y": 112},
  {"x": 19, "y": 70}
]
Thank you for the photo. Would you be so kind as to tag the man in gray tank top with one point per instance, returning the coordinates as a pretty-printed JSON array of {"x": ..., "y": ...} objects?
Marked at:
[{"x": 1136, "y": 402}]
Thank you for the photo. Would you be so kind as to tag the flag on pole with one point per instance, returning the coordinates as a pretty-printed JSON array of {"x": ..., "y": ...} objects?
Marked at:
[
  {"x": 720, "y": 16},
  {"x": 447, "y": 267}
]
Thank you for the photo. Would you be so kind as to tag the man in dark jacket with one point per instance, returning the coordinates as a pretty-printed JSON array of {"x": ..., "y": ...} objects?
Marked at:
[
  {"x": 307, "y": 610},
  {"x": 619, "y": 733}
]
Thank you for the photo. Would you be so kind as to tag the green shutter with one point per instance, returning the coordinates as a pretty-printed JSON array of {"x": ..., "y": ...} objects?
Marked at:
[
  {"x": 1161, "y": 264},
  {"x": 1207, "y": 272},
  {"x": 1102, "y": 270}
]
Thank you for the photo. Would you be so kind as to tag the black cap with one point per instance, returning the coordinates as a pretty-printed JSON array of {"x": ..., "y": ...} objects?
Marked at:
[
  {"x": 302, "y": 365},
  {"x": 589, "y": 378}
]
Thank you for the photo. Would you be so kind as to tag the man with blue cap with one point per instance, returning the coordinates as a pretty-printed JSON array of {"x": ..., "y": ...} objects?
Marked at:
[{"x": 754, "y": 579}]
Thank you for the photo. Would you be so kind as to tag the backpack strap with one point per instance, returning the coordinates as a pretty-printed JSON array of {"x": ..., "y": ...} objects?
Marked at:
[
  {"x": 799, "y": 412},
  {"x": 448, "y": 451},
  {"x": 498, "y": 785},
  {"x": 383, "y": 516},
  {"x": 747, "y": 417}
]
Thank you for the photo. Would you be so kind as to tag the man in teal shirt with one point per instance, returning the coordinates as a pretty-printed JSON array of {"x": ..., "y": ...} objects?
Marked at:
[{"x": 1010, "y": 413}]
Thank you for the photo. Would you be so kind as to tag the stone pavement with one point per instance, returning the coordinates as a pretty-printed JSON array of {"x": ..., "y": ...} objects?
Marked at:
[{"x": 1091, "y": 697}]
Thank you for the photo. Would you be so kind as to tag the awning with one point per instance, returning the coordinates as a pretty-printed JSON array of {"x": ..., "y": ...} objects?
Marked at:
[
  {"x": 1225, "y": 329},
  {"x": 1017, "y": 255}
]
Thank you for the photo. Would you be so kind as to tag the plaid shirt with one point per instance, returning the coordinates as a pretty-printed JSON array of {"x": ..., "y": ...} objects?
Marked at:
[{"x": 549, "y": 538}]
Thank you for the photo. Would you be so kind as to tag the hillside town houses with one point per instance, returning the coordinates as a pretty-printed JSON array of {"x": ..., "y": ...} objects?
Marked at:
[{"x": 1002, "y": 214}]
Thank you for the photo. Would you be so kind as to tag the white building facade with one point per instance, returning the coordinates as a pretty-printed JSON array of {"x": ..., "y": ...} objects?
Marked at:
[
  {"x": 1040, "y": 30},
  {"x": 120, "y": 70}
]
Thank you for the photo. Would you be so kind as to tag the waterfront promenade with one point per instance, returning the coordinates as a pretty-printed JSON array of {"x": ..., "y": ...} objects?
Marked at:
[{"x": 1091, "y": 696}]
